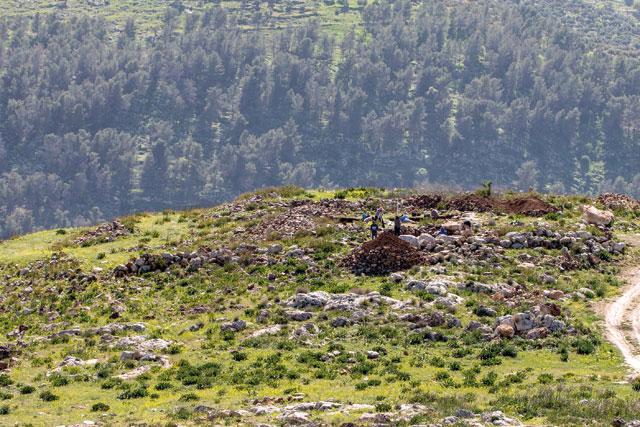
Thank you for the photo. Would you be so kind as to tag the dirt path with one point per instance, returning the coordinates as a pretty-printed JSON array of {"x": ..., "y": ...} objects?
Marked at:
[{"x": 622, "y": 318}]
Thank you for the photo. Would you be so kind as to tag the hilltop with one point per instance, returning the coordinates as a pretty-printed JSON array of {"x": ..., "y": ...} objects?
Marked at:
[
  {"x": 261, "y": 311},
  {"x": 124, "y": 105}
]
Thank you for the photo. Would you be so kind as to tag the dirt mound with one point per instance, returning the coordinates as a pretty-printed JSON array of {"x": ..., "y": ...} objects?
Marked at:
[
  {"x": 530, "y": 206},
  {"x": 471, "y": 202},
  {"x": 425, "y": 201},
  {"x": 616, "y": 202},
  {"x": 524, "y": 205},
  {"x": 383, "y": 255}
]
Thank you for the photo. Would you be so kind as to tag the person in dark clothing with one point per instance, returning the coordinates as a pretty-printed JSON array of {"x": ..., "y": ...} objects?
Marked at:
[
  {"x": 397, "y": 222},
  {"x": 374, "y": 230}
]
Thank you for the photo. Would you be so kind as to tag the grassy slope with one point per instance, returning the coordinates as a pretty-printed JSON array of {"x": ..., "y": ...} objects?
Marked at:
[
  {"x": 148, "y": 13},
  {"x": 157, "y": 305}
]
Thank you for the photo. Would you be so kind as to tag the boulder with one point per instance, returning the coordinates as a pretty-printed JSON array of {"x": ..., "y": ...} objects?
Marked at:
[
  {"x": 593, "y": 215},
  {"x": 340, "y": 322},
  {"x": 452, "y": 226},
  {"x": 505, "y": 331},
  {"x": 412, "y": 240},
  {"x": 426, "y": 241},
  {"x": 274, "y": 249},
  {"x": 484, "y": 311},
  {"x": 523, "y": 322},
  {"x": 298, "y": 316},
  {"x": 396, "y": 277},
  {"x": 235, "y": 326},
  {"x": 537, "y": 333},
  {"x": 312, "y": 299}
]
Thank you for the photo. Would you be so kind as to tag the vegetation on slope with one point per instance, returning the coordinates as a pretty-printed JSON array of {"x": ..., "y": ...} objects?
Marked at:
[{"x": 204, "y": 340}]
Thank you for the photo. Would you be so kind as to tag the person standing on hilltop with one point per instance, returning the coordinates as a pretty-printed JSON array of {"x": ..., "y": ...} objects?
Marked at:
[
  {"x": 379, "y": 214},
  {"x": 397, "y": 225},
  {"x": 374, "y": 230}
]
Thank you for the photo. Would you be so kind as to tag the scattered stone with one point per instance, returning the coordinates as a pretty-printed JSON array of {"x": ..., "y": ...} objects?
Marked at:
[
  {"x": 505, "y": 331},
  {"x": 298, "y": 316},
  {"x": 372, "y": 354},
  {"x": 235, "y": 326}
]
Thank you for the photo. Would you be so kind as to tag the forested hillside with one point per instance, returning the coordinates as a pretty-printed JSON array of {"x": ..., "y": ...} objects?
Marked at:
[{"x": 96, "y": 123}]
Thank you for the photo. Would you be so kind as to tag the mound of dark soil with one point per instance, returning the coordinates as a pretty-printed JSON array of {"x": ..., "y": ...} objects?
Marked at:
[
  {"x": 530, "y": 206},
  {"x": 524, "y": 205},
  {"x": 471, "y": 202},
  {"x": 383, "y": 255},
  {"x": 425, "y": 201}
]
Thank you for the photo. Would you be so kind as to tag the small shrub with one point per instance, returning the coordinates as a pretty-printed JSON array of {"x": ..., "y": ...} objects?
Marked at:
[
  {"x": 27, "y": 389},
  {"x": 58, "y": 380},
  {"x": 182, "y": 414},
  {"x": 545, "y": 378},
  {"x": 100, "y": 407},
  {"x": 133, "y": 393},
  {"x": 239, "y": 356},
  {"x": 584, "y": 346},
  {"x": 489, "y": 379},
  {"x": 47, "y": 396},
  {"x": 635, "y": 384},
  {"x": 4, "y": 410},
  {"x": 383, "y": 407},
  {"x": 5, "y": 380},
  {"x": 163, "y": 385},
  {"x": 189, "y": 397}
]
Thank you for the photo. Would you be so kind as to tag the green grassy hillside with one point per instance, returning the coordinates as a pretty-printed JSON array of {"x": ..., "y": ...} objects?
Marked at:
[
  {"x": 148, "y": 14},
  {"x": 266, "y": 323}
]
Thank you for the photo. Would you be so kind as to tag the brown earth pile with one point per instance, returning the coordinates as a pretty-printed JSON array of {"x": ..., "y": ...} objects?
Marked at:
[
  {"x": 425, "y": 201},
  {"x": 383, "y": 255},
  {"x": 529, "y": 205},
  {"x": 471, "y": 202},
  {"x": 615, "y": 202},
  {"x": 524, "y": 205}
]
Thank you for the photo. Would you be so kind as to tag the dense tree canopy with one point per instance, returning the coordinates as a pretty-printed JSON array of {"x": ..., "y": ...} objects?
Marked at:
[{"x": 95, "y": 126}]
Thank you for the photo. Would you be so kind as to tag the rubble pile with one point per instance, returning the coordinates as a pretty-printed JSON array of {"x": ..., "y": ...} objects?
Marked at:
[
  {"x": 301, "y": 217},
  {"x": 537, "y": 323},
  {"x": 580, "y": 249},
  {"x": 383, "y": 255},
  {"x": 160, "y": 262},
  {"x": 102, "y": 234},
  {"x": 616, "y": 202}
]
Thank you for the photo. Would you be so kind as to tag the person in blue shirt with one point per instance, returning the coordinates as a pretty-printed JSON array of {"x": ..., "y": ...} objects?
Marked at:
[{"x": 374, "y": 230}]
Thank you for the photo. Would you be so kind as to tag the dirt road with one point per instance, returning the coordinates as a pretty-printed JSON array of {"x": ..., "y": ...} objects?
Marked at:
[
  {"x": 622, "y": 320},
  {"x": 622, "y": 317}
]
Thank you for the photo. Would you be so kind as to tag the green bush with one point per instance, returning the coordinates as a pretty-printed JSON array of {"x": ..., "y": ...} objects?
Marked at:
[
  {"x": 58, "y": 380},
  {"x": 5, "y": 380},
  {"x": 584, "y": 346},
  {"x": 163, "y": 385},
  {"x": 4, "y": 410},
  {"x": 27, "y": 389},
  {"x": 189, "y": 397},
  {"x": 47, "y": 396},
  {"x": 133, "y": 393},
  {"x": 100, "y": 407}
]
